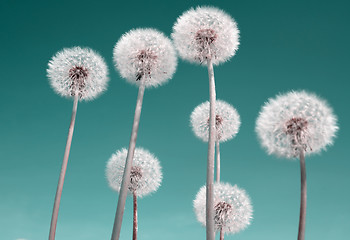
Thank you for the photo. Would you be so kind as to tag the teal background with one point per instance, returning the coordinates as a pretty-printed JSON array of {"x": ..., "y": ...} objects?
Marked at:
[{"x": 285, "y": 45}]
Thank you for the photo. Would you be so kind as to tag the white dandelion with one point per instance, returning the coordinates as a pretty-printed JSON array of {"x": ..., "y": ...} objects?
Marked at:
[
  {"x": 146, "y": 172},
  {"x": 296, "y": 121},
  {"x": 144, "y": 57},
  {"x": 79, "y": 73},
  {"x": 145, "y": 177},
  {"x": 207, "y": 35},
  {"x": 145, "y": 54},
  {"x": 233, "y": 210},
  {"x": 296, "y": 124},
  {"x": 227, "y": 123},
  {"x": 206, "y": 32}
]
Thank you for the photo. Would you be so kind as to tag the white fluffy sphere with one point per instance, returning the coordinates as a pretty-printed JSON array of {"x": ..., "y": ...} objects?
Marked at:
[
  {"x": 233, "y": 210},
  {"x": 146, "y": 173},
  {"x": 78, "y": 71},
  {"x": 294, "y": 121},
  {"x": 227, "y": 121},
  {"x": 145, "y": 55},
  {"x": 206, "y": 32}
]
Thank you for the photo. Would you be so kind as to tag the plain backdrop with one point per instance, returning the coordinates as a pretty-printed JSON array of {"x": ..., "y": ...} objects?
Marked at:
[{"x": 285, "y": 45}]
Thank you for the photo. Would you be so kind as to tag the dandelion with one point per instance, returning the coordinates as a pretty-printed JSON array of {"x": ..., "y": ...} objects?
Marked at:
[
  {"x": 207, "y": 35},
  {"x": 227, "y": 123},
  {"x": 78, "y": 72},
  {"x": 296, "y": 121},
  {"x": 232, "y": 208},
  {"x": 145, "y": 54},
  {"x": 145, "y": 176},
  {"x": 81, "y": 74},
  {"x": 296, "y": 124},
  {"x": 147, "y": 58}
]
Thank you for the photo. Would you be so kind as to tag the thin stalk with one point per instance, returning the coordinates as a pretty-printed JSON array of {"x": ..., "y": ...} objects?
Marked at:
[
  {"x": 134, "y": 226},
  {"x": 211, "y": 155},
  {"x": 126, "y": 176},
  {"x": 56, "y": 205},
  {"x": 217, "y": 161},
  {"x": 302, "y": 217},
  {"x": 221, "y": 234}
]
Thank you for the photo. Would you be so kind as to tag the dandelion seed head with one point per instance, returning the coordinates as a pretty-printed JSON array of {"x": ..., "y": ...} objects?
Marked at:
[
  {"x": 145, "y": 55},
  {"x": 78, "y": 71},
  {"x": 233, "y": 210},
  {"x": 145, "y": 175},
  {"x": 222, "y": 211},
  {"x": 296, "y": 121},
  {"x": 227, "y": 121},
  {"x": 206, "y": 32},
  {"x": 135, "y": 178}
]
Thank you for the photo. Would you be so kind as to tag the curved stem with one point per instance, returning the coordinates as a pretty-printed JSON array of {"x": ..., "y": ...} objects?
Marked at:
[
  {"x": 134, "y": 226},
  {"x": 302, "y": 217},
  {"x": 126, "y": 176},
  {"x": 217, "y": 161},
  {"x": 56, "y": 205},
  {"x": 211, "y": 155}
]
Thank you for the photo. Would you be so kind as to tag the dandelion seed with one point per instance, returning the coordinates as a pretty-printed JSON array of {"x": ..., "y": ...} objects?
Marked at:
[
  {"x": 296, "y": 124},
  {"x": 79, "y": 73},
  {"x": 144, "y": 57},
  {"x": 233, "y": 210},
  {"x": 145, "y": 176}
]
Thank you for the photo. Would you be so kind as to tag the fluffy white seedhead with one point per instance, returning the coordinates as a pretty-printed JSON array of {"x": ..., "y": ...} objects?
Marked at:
[
  {"x": 233, "y": 210},
  {"x": 145, "y": 55},
  {"x": 296, "y": 121},
  {"x": 145, "y": 175},
  {"x": 206, "y": 32},
  {"x": 78, "y": 71},
  {"x": 227, "y": 121}
]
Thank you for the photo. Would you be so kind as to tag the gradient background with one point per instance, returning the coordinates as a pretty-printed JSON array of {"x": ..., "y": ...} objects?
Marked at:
[{"x": 285, "y": 45}]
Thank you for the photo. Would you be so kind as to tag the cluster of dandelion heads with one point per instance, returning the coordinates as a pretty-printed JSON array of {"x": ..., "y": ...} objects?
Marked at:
[
  {"x": 145, "y": 176},
  {"x": 78, "y": 71},
  {"x": 206, "y": 32},
  {"x": 147, "y": 55},
  {"x": 233, "y": 210},
  {"x": 296, "y": 121},
  {"x": 227, "y": 121}
]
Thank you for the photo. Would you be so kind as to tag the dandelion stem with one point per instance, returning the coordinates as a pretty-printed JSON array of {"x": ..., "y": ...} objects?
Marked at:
[
  {"x": 221, "y": 234},
  {"x": 302, "y": 217},
  {"x": 217, "y": 161},
  {"x": 56, "y": 205},
  {"x": 211, "y": 155},
  {"x": 134, "y": 227},
  {"x": 126, "y": 176}
]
